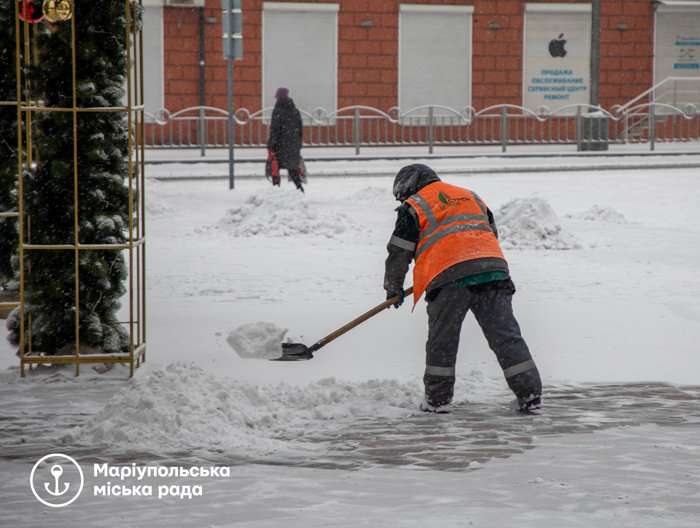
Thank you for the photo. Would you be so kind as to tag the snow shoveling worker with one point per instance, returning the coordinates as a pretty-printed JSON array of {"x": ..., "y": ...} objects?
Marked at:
[{"x": 459, "y": 265}]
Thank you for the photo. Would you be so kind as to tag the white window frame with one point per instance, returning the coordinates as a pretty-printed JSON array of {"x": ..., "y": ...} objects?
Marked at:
[
  {"x": 302, "y": 88},
  {"x": 153, "y": 56},
  {"x": 405, "y": 66},
  {"x": 669, "y": 7},
  {"x": 539, "y": 8},
  {"x": 682, "y": 92}
]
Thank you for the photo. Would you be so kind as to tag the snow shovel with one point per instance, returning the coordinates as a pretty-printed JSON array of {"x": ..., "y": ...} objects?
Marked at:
[{"x": 299, "y": 351}]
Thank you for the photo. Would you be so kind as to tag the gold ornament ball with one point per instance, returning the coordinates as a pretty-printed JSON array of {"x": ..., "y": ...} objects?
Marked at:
[{"x": 57, "y": 10}]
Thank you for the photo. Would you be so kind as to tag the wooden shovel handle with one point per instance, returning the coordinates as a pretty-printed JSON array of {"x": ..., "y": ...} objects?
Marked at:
[{"x": 361, "y": 319}]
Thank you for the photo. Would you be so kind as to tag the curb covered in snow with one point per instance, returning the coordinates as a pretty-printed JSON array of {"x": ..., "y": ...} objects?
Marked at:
[{"x": 338, "y": 165}]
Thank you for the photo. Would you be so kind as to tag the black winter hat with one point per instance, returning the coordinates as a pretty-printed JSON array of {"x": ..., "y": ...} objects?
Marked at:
[{"x": 411, "y": 179}]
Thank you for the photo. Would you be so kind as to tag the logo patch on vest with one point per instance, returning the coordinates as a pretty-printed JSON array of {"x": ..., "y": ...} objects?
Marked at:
[{"x": 450, "y": 202}]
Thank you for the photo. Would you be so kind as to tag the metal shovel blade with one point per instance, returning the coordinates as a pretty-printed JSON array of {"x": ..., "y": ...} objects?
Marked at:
[
  {"x": 299, "y": 352},
  {"x": 295, "y": 352}
]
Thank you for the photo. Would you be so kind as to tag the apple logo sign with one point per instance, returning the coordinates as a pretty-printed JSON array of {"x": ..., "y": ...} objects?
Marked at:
[{"x": 556, "y": 47}]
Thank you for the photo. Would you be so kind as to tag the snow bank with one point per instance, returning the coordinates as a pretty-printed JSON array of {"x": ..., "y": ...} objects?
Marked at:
[
  {"x": 181, "y": 407},
  {"x": 531, "y": 223},
  {"x": 281, "y": 213},
  {"x": 155, "y": 206},
  {"x": 596, "y": 213},
  {"x": 374, "y": 195},
  {"x": 257, "y": 340}
]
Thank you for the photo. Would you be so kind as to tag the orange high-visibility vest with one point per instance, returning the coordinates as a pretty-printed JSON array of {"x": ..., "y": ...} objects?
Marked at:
[{"x": 454, "y": 228}]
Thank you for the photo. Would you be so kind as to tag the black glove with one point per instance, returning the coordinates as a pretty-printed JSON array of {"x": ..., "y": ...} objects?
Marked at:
[{"x": 401, "y": 295}]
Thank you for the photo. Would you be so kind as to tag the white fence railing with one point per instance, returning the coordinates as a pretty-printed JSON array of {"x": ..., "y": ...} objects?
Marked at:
[
  {"x": 679, "y": 92},
  {"x": 587, "y": 127}
]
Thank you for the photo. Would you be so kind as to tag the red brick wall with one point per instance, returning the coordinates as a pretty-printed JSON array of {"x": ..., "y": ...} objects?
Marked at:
[
  {"x": 497, "y": 57},
  {"x": 181, "y": 58},
  {"x": 626, "y": 55},
  {"x": 368, "y": 55}
]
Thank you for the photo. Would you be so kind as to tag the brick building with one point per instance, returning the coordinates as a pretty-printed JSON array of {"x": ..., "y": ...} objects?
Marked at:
[{"x": 407, "y": 53}]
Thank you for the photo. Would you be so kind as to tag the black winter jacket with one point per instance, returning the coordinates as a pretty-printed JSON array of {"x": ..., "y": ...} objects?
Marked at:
[{"x": 286, "y": 134}]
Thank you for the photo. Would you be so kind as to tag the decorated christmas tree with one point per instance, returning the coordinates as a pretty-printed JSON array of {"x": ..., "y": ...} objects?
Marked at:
[{"x": 77, "y": 191}]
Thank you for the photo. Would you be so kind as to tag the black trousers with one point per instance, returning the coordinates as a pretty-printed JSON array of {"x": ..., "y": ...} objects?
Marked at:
[
  {"x": 491, "y": 304},
  {"x": 296, "y": 178}
]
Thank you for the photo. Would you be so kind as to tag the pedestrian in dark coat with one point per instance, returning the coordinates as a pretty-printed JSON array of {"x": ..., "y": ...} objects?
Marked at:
[
  {"x": 459, "y": 265},
  {"x": 286, "y": 136}
]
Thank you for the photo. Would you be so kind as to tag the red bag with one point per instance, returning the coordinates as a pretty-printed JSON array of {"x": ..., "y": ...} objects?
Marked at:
[
  {"x": 302, "y": 169},
  {"x": 272, "y": 168}
]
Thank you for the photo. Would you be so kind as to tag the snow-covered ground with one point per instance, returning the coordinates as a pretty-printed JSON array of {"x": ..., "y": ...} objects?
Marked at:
[{"x": 605, "y": 262}]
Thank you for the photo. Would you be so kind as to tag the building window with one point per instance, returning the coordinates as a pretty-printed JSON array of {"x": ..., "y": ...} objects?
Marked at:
[
  {"x": 153, "y": 71},
  {"x": 435, "y": 56},
  {"x": 677, "y": 54},
  {"x": 557, "y": 60},
  {"x": 300, "y": 49}
]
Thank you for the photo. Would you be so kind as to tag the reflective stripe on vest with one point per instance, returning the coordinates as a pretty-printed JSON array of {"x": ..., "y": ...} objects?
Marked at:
[{"x": 454, "y": 228}]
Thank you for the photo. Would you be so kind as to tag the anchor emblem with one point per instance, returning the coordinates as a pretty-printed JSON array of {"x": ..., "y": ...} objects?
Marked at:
[
  {"x": 66, "y": 473},
  {"x": 56, "y": 471}
]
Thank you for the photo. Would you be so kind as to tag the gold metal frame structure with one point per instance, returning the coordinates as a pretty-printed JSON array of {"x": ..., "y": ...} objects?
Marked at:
[{"x": 134, "y": 318}]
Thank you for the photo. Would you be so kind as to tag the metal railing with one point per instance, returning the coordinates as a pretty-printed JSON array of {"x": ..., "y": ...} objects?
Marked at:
[
  {"x": 588, "y": 127},
  {"x": 678, "y": 92}
]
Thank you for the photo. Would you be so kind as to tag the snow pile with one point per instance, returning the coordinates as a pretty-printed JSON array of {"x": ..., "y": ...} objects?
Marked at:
[
  {"x": 257, "y": 340},
  {"x": 183, "y": 407},
  {"x": 532, "y": 224},
  {"x": 596, "y": 213},
  {"x": 283, "y": 213},
  {"x": 374, "y": 195},
  {"x": 155, "y": 207}
]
